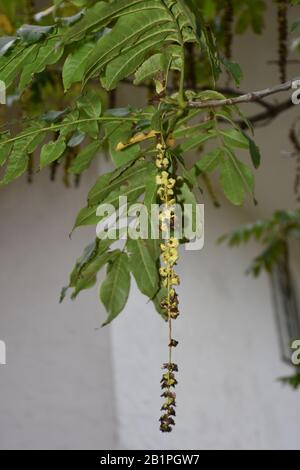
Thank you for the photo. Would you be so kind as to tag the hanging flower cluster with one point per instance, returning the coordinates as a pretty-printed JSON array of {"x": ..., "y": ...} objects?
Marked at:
[{"x": 169, "y": 256}]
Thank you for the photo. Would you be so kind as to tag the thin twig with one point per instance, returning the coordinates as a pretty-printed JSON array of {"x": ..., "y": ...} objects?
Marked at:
[
  {"x": 224, "y": 90},
  {"x": 250, "y": 97}
]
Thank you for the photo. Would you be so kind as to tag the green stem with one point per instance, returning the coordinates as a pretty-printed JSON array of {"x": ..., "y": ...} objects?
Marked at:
[
  {"x": 59, "y": 126},
  {"x": 181, "y": 95}
]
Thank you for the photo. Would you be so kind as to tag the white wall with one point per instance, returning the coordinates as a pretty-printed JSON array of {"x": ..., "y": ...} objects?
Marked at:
[{"x": 56, "y": 390}]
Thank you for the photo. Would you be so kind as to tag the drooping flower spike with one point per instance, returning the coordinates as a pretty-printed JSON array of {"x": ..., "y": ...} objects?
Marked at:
[{"x": 166, "y": 192}]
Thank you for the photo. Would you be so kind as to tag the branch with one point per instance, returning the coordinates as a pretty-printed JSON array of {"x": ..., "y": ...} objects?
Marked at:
[
  {"x": 262, "y": 118},
  {"x": 223, "y": 90},
  {"x": 251, "y": 97}
]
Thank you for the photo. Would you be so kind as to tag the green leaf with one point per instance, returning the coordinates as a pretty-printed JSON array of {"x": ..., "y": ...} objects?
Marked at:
[
  {"x": 127, "y": 63},
  {"x": 234, "y": 178},
  {"x": 254, "y": 152},
  {"x": 151, "y": 67},
  {"x": 12, "y": 64},
  {"x": 69, "y": 124},
  {"x": 5, "y": 150},
  {"x": 149, "y": 199},
  {"x": 83, "y": 275},
  {"x": 88, "y": 216},
  {"x": 90, "y": 252},
  {"x": 89, "y": 107},
  {"x": 74, "y": 66},
  {"x": 85, "y": 157},
  {"x": 139, "y": 29},
  {"x": 109, "y": 182},
  {"x": 115, "y": 289},
  {"x": 6, "y": 42},
  {"x": 84, "y": 284},
  {"x": 31, "y": 33},
  {"x": 54, "y": 116},
  {"x": 235, "y": 138},
  {"x": 193, "y": 12},
  {"x": 193, "y": 131},
  {"x": 186, "y": 196},
  {"x": 143, "y": 267},
  {"x": 247, "y": 176},
  {"x": 76, "y": 139},
  {"x": 158, "y": 64},
  {"x": 18, "y": 158},
  {"x": 232, "y": 183},
  {"x": 52, "y": 151},
  {"x": 292, "y": 380},
  {"x": 90, "y": 104},
  {"x": 160, "y": 296},
  {"x": 209, "y": 162},
  {"x": 196, "y": 141},
  {"x": 88, "y": 275},
  {"x": 96, "y": 18},
  {"x": 69, "y": 20},
  {"x": 119, "y": 112},
  {"x": 150, "y": 194},
  {"x": 102, "y": 188},
  {"x": 234, "y": 69},
  {"x": 88, "y": 255},
  {"x": 49, "y": 53},
  {"x": 129, "y": 35},
  {"x": 212, "y": 52},
  {"x": 120, "y": 133}
]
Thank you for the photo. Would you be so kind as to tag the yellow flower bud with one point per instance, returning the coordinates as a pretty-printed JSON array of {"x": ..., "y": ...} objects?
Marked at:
[
  {"x": 173, "y": 242},
  {"x": 163, "y": 272},
  {"x": 175, "y": 281},
  {"x": 171, "y": 183}
]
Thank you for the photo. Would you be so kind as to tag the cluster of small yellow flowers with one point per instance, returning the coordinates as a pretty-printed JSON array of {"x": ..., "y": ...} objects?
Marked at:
[
  {"x": 169, "y": 256},
  {"x": 162, "y": 161}
]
